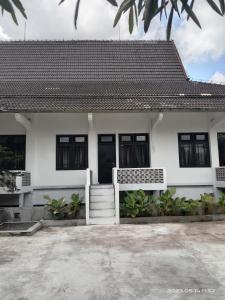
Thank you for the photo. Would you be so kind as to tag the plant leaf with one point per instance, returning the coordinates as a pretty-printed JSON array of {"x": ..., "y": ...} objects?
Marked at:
[
  {"x": 140, "y": 6},
  {"x": 61, "y": 1},
  {"x": 76, "y": 13},
  {"x": 136, "y": 13},
  {"x": 125, "y": 5},
  {"x": 131, "y": 20},
  {"x": 214, "y": 6},
  {"x": 19, "y": 5},
  {"x": 169, "y": 24},
  {"x": 148, "y": 14},
  {"x": 222, "y": 6},
  {"x": 113, "y": 2},
  {"x": 190, "y": 13},
  {"x": 7, "y": 5}
]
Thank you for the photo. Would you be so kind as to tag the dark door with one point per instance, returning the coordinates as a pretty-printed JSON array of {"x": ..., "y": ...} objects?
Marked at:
[
  {"x": 106, "y": 157},
  {"x": 221, "y": 145}
]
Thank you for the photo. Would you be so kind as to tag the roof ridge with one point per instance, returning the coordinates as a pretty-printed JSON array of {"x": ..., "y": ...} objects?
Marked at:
[{"x": 86, "y": 40}]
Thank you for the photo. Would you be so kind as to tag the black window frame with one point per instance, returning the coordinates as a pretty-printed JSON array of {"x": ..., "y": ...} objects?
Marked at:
[
  {"x": 133, "y": 142},
  {"x": 221, "y": 158},
  {"x": 72, "y": 143},
  {"x": 20, "y": 164},
  {"x": 193, "y": 142}
]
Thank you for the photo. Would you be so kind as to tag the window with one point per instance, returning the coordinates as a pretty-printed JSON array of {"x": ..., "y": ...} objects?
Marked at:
[
  {"x": 194, "y": 150},
  {"x": 134, "y": 150},
  {"x": 221, "y": 148},
  {"x": 14, "y": 147},
  {"x": 71, "y": 152}
]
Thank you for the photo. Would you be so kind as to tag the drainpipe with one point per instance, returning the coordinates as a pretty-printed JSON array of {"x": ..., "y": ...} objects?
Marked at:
[
  {"x": 157, "y": 120},
  {"x": 215, "y": 122},
  {"x": 154, "y": 123},
  {"x": 24, "y": 121},
  {"x": 214, "y": 150}
]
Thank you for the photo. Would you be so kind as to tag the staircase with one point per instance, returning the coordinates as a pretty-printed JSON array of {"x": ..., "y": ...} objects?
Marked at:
[{"x": 102, "y": 205}]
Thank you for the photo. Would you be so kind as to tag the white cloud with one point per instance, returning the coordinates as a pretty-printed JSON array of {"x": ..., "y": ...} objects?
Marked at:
[
  {"x": 4, "y": 36},
  {"x": 48, "y": 20},
  {"x": 199, "y": 45},
  {"x": 218, "y": 78}
]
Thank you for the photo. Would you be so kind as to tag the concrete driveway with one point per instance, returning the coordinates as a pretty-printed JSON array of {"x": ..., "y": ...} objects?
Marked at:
[{"x": 159, "y": 261}]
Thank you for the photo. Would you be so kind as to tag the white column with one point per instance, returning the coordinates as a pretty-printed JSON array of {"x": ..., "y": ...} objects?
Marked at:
[
  {"x": 117, "y": 150},
  {"x": 153, "y": 124},
  {"x": 92, "y": 149},
  {"x": 31, "y": 159},
  {"x": 213, "y": 145},
  {"x": 31, "y": 152}
]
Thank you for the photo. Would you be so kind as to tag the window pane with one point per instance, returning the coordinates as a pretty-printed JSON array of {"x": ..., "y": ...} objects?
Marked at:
[
  {"x": 194, "y": 150},
  {"x": 200, "y": 137},
  {"x": 185, "y": 137},
  {"x": 14, "y": 152},
  {"x": 186, "y": 155},
  {"x": 126, "y": 156},
  {"x": 72, "y": 153},
  {"x": 134, "y": 151},
  {"x": 140, "y": 138},
  {"x": 64, "y": 157},
  {"x": 201, "y": 155},
  {"x": 141, "y": 156},
  {"x": 78, "y": 154},
  {"x": 80, "y": 139},
  {"x": 106, "y": 139},
  {"x": 64, "y": 139},
  {"x": 126, "y": 138}
]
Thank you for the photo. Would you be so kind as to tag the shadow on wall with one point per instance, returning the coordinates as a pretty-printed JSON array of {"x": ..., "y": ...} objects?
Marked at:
[{"x": 4, "y": 215}]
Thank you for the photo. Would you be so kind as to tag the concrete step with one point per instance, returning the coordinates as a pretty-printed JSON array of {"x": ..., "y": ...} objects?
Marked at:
[
  {"x": 102, "y": 205},
  {"x": 101, "y": 198},
  {"x": 103, "y": 221},
  {"x": 101, "y": 192},
  {"x": 103, "y": 213},
  {"x": 101, "y": 186}
]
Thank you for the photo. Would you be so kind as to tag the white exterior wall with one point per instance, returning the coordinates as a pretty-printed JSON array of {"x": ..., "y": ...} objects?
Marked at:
[
  {"x": 45, "y": 127},
  {"x": 41, "y": 144},
  {"x": 8, "y": 125},
  {"x": 165, "y": 152}
]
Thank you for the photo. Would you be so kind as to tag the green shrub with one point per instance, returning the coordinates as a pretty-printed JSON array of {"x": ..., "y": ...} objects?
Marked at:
[
  {"x": 221, "y": 203},
  {"x": 74, "y": 205},
  {"x": 208, "y": 203},
  {"x": 167, "y": 203},
  {"x": 190, "y": 207},
  {"x": 57, "y": 207},
  {"x": 60, "y": 209},
  {"x": 135, "y": 204},
  {"x": 154, "y": 208}
]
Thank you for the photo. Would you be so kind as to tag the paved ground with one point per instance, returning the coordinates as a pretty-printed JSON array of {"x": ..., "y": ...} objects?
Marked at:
[{"x": 159, "y": 261}]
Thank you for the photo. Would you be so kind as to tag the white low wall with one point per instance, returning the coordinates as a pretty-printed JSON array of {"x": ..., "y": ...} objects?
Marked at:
[{"x": 56, "y": 193}]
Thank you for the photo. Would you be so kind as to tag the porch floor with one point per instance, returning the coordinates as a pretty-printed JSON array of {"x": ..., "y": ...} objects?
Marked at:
[{"x": 157, "y": 261}]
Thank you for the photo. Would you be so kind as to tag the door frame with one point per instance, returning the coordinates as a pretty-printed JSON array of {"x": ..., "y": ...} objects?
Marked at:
[{"x": 115, "y": 149}]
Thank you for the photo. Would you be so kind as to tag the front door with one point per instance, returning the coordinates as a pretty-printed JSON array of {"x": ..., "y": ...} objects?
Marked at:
[{"x": 106, "y": 157}]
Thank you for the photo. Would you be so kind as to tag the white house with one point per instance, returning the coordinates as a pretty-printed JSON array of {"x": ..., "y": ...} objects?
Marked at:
[{"x": 96, "y": 117}]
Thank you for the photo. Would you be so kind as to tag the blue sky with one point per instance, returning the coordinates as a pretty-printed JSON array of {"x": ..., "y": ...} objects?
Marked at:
[
  {"x": 202, "y": 51},
  {"x": 205, "y": 70}
]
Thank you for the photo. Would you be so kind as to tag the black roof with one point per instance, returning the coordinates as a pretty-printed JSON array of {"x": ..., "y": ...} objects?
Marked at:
[
  {"x": 89, "y": 60},
  {"x": 98, "y": 76}
]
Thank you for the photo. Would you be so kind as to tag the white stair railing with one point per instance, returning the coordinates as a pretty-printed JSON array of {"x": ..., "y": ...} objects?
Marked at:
[
  {"x": 116, "y": 195},
  {"x": 87, "y": 195}
]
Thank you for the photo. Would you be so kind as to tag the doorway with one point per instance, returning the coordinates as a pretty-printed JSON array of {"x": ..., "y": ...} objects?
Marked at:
[{"x": 106, "y": 157}]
